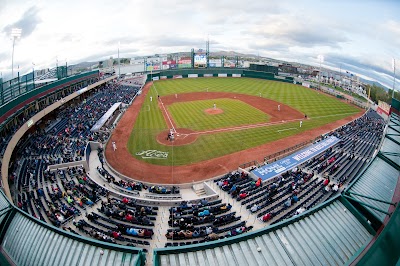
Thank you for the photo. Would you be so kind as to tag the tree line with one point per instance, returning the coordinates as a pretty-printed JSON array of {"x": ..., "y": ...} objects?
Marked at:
[{"x": 378, "y": 93}]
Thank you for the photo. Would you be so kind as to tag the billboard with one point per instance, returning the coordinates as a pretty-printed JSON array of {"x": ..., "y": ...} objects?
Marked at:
[
  {"x": 215, "y": 63},
  {"x": 200, "y": 60},
  {"x": 184, "y": 63},
  {"x": 169, "y": 62},
  {"x": 276, "y": 168},
  {"x": 383, "y": 108},
  {"x": 150, "y": 67}
]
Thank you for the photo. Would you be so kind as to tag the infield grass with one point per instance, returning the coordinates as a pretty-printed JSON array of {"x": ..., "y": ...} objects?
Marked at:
[
  {"x": 235, "y": 113},
  {"x": 321, "y": 110}
]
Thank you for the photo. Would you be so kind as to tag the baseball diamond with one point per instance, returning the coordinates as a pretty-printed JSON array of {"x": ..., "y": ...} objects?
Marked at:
[{"x": 249, "y": 127}]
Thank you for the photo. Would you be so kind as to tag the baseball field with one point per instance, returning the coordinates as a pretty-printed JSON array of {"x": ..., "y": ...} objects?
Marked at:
[{"x": 213, "y": 117}]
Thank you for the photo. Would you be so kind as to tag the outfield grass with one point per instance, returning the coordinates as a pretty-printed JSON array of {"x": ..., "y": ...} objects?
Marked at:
[
  {"x": 320, "y": 108},
  {"x": 236, "y": 113}
]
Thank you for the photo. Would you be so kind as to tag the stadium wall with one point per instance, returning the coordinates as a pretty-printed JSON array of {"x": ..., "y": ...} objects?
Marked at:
[
  {"x": 215, "y": 72},
  {"x": 395, "y": 106},
  {"x": 10, "y": 107}
]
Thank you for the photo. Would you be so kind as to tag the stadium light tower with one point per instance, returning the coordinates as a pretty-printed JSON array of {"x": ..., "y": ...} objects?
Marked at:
[
  {"x": 119, "y": 62},
  {"x": 321, "y": 60},
  {"x": 394, "y": 76},
  {"x": 15, "y": 35}
]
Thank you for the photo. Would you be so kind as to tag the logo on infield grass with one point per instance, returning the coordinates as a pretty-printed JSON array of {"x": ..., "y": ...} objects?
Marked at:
[{"x": 153, "y": 154}]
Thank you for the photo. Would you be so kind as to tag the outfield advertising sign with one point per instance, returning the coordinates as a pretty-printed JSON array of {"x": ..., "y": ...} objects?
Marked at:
[
  {"x": 193, "y": 75},
  {"x": 222, "y": 75},
  {"x": 279, "y": 167}
]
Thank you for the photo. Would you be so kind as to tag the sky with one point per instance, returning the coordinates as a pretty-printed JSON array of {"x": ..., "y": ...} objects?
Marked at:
[{"x": 359, "y": 36}]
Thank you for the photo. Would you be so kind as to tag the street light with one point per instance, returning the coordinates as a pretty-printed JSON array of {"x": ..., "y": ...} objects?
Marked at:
[{"x": 15, "y": 34}]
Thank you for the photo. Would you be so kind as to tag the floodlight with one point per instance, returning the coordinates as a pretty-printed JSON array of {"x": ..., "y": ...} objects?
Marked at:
[{"x": 16, "y": 32}]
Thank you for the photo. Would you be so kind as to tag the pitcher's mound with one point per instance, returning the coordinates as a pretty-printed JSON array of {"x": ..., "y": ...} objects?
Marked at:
[{"x": 212, "y": 111}]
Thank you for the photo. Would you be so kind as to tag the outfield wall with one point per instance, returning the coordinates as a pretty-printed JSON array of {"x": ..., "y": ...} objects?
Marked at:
[{"x": 215, "y": 72}]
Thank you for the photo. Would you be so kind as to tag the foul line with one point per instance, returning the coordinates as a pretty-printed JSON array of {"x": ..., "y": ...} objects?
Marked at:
[
  {"x": 257, "y": 125},
  {"x": 280, "y": 130},
  {"x": 243, "y": 127},
  {"x": 166, "y": 113}
]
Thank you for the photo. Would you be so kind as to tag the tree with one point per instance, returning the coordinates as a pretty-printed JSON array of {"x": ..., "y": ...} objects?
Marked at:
[{"x": 380, "y": 94}]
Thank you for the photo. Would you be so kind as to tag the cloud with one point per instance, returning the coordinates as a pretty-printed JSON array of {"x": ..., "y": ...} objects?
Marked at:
[
  {"x": 294, "y": 30},
  {"x": 360, "y": 63},
  {"x": 123, "y": 40},
  {"x": 178, "y": 41},
  {"x": 28, "y": 22}
]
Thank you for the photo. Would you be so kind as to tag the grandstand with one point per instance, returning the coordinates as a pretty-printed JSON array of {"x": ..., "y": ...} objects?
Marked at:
[{"x": 338, "y": 207}]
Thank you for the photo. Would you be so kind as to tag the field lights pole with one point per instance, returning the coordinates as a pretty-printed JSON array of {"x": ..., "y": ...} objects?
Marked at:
[
  {"x": 15, "y": 34},
  {"x": 119, "y": 63},
  {"x": 321, "y": 58},
  {"x": 394, "y": 76}
]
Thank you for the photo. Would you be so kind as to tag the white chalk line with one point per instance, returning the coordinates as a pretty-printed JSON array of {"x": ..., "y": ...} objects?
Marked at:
[
  {"x": 258, "y": 125},
  {"x": 280, "y": 130},
  {"x": 162, "y": 104}
]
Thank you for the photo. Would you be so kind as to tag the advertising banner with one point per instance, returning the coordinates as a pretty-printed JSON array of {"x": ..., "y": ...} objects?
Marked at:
[
  {"x": 305, "y": 84},
  {"x": 155, "y": 78},
  {"x": 177, "y": 76},
  {"x": 207, "y": 75},
  {"x": 236, "y": 75},
  {"x": 383, "y": 107},
  {"x": 222, "y": 75},
  {"x": 184, "y": 65},
  {"x": 163, "y": 77},
  {"x": 152, "y": 68},
  {"x": 193, "y": 75},
  {"x": 185, "y": 62},
  {"x": 278, "y": 77},
  {"x": 169, "y": 62},
  {"x": 283, "y": 165}
]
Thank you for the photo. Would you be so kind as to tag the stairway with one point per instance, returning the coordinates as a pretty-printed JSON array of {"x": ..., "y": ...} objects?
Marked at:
[{"x": 199, "y": 190}]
